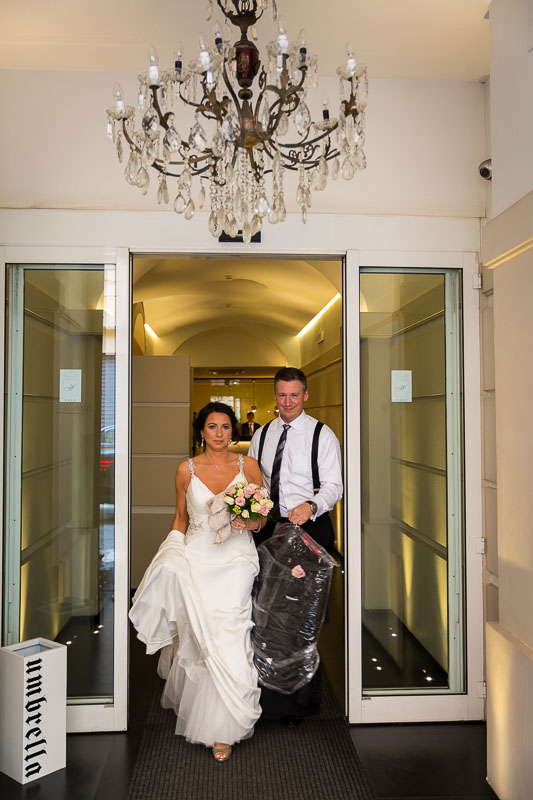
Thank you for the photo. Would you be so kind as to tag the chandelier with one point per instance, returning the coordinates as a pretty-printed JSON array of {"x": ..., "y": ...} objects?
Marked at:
[{"x": 242, "y": 138}]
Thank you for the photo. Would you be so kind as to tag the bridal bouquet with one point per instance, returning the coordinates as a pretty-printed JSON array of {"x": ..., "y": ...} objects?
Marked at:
[{"x": 247, "y": 500}]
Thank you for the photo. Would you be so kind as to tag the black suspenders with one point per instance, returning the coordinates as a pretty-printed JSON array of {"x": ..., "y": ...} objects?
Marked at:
[
  {"x": 314, "y": 452},
  {"x": 314, "y": 456},
  {"x": 262, "y": 441}
]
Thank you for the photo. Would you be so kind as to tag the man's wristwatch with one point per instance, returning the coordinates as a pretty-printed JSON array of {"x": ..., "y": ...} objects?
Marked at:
[{"x": 314, "y": 507}]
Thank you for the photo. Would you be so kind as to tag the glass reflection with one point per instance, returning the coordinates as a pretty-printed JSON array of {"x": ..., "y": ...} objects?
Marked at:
[
  {"x": 404, "y": 482},
  {"x": 68, "y": 456}
]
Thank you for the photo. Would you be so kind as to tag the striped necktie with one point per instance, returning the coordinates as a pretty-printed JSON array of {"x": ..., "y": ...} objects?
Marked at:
[{"x": 274, "y": 478}]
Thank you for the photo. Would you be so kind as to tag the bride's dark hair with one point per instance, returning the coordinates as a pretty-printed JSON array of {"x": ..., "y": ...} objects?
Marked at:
[{"x": 216, "y": 408}]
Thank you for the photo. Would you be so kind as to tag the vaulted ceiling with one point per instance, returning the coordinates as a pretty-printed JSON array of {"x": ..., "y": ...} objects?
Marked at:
[{"x": 186, "y": 296}]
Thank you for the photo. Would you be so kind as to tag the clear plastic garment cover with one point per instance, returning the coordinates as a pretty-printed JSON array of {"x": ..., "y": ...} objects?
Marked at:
[{"x": 290, "y": 598}]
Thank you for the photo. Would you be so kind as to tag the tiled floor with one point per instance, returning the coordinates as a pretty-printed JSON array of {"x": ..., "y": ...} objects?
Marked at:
[{"x": 445, "y": 761}]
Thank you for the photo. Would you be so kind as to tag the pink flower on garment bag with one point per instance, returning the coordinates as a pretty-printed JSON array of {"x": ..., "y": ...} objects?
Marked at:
[
  {"x": 298, "y": 572},
  {"x": 240, "y": 501}
]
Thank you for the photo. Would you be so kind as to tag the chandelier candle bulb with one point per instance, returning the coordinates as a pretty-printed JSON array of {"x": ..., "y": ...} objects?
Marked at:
[
  {"x": 252, "y": 124},
  {"x": 178, "y": 60},
  {"x": 117, "y": 91},
  {"x": 153, "y": 69},
  {"x": 303, "y": 47}
]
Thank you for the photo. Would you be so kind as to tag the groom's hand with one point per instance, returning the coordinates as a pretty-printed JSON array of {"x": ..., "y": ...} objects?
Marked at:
[{"x": 300, "y": 514}]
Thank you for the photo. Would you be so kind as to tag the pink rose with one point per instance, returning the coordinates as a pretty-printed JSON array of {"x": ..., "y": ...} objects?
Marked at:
[
  {"x": 264, "y": 510},
  {"x": 259, "y": 495},
  {"x": 248, "y": 491},
  {"x": 231, "y": 489},
  {"x": 298, "y": 572},
  {"x": 240, "y": 501}
]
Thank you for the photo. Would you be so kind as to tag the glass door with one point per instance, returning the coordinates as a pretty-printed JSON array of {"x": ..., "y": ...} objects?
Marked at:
[
  {"x": 411, "y": 482},
  {"x": 59, "y": 503}
]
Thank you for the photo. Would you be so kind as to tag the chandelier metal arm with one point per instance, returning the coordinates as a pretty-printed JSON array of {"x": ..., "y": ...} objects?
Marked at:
[
  {"x": 193, "y": 162},
  {"x": 287, "y": 100},
  {"x": 242, "y": 19},
  {"x": 128, "y": 138},
  {"x": 186, "y": 100},
  {"x": 303, "y": 142}
]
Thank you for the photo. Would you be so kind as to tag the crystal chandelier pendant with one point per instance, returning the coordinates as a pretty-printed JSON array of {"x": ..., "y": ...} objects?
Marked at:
[
  {"x": 150, "y": 122},
  {"x": 180, "y": 204},
  {"x": 162, "y": 191},
  {"x": 252, "y": 124},
  {"x": 302, "y": 119},
  {"x": 132, "y": 168},
  {"x": 197, "y": 137}
]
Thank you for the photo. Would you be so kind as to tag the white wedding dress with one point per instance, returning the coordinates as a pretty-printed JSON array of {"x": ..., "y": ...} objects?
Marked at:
[{"x": 194, "y": 604}]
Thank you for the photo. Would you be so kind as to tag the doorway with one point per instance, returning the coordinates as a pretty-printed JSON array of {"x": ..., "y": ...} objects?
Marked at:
[{"x": 214, "y": 327}]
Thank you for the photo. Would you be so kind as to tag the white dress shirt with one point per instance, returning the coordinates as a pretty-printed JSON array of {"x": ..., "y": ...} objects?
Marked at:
[{"x": 296, "y": 476}]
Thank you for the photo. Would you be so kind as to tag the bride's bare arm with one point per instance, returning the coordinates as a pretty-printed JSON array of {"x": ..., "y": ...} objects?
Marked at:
[{"x": 183, "y": 478}]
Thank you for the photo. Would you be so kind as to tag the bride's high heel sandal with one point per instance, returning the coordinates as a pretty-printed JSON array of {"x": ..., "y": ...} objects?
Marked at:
[{"x": 221, "y": 754}]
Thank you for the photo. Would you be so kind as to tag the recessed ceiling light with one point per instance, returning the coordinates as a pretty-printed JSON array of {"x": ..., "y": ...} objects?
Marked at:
[{"x": 150, "y": 330}]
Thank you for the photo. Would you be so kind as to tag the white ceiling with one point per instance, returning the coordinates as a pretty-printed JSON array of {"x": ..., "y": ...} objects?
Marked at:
[{"x": 427, "y": 39}]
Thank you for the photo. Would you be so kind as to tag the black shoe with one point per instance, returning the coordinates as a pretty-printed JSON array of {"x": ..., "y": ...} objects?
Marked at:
[{"x": 291, "y": 720}]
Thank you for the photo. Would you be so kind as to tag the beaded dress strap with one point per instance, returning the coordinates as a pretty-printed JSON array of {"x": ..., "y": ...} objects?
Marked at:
[
  {"x": 241, "y": 463},
  {"x": 191, "y": 466}
]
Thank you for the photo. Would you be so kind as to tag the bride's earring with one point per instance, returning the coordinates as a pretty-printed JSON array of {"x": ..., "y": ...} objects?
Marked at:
[{"x": 203, "y": 442}]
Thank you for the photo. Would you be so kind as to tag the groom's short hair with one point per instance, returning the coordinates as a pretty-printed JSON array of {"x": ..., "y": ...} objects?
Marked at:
[{"x": 290, "y": 374}]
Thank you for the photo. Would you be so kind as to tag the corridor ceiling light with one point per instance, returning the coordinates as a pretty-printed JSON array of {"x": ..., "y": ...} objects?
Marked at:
[
  {"x": 317, "y": 316},
  {"x": 150, "y": 331},
  {"x": 250, "y": 131}
]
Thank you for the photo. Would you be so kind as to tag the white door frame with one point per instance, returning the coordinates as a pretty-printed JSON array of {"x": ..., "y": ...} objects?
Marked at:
[
  {"x": 111, "y": 716},
  {"x": 424, "y": 707},
  {"x": 141, "y": 235}
]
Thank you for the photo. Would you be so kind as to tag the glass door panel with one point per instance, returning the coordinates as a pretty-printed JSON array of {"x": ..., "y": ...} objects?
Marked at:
[
  {"x": 411, "y": 481},
  {"x": 60, "y": 455}
]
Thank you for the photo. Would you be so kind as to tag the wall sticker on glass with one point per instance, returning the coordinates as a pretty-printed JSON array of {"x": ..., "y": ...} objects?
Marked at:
[
  {"x": 401, "y": 386},
  {"x": 70, "y": 385}
]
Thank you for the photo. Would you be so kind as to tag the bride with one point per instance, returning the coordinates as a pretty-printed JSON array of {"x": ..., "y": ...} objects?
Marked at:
[{"x": 194, "y": 601}]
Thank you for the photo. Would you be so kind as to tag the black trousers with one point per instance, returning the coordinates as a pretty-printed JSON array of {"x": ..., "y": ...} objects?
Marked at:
[{"x": 306, "y": 701}]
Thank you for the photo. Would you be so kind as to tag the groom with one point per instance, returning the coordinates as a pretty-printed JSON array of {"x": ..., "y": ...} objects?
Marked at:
[{"x": 300, "y": 464}]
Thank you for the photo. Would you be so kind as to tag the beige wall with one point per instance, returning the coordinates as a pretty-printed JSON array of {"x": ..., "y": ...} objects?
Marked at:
[
  {"x": 433, "y": 123},
  {"x": 509, "y": 563},
  {"x": 161, "y": 432},
  {"x": 321, "y": 360}
]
